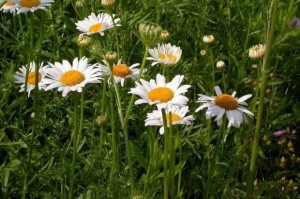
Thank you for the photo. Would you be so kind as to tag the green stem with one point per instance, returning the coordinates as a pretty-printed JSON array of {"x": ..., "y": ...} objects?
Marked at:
[
  {"x": 116, "y": 35},
  {"x": 212, "y": 70},
  {"x": 103, "y": 108},
  {"x": 166, "y": 154},
  {"x": 172, "y": 157},
  {"x": 74, "y": 156},
  {"x": 270, "y": 33}
]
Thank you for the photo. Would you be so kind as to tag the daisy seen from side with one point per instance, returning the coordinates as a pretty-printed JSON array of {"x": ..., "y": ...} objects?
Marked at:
[
  {"x": 24, "y": 6},
  {"x": 160, "y": 92},
  {"x": 218, "y": 105},
  {"x": 20, "y": 77},
  {"x": 121, "y": 71},
  {"x": 97, "y": 23},
  {"x": 174, "y": 113},
  {"x": 165, "y": 54},
  {"x": 74, "y": 76}
]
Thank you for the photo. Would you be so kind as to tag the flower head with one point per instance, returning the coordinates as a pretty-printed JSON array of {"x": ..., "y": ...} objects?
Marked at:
[
  {"x": 121, "y": 71},
  {"x": 71, "y": 77},
  {"x": 208, "y": 39},
  {"x": 218, "y": 105},
  {"x": 257, "y": 51},
  {"x": 9, "y": 7},
  {"x": 20, "y": 77},
  {"x": 173, "y": 113},
  {"x": 165, "y": 54},
  {"x": 97, "y": 24},
  {"x": 159, "y": 92},
  {"x": 24, "y": 6}
]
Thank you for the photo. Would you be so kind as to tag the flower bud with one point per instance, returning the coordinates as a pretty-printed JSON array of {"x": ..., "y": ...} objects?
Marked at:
[
  {"x": 203, "y": 52},
  {"x": 164, "y": 35},
  {"x": 108, "y": 3},
  {"x": 220, "y": 64},
  {"x": 83, "y": 41},
  {"x": 101, "y": 120},
  {"x": 257, "y": 52},
  {"x": 208, "y": 39},
  {"x": 282, "y": 162},
  {"x": 111, "y": 57},
  {"x": 150, "y": 34}
]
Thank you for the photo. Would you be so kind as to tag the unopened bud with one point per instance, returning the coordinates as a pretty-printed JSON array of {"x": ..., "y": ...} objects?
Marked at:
[
  {"x": 111, "y": 57},
  {"x": 108, "y": 3},
  {"x": 164, "y": 35},
  {"x": 257, "y": 51},
  {"x": 83, "y": 41},
  {"x": 208, "y": 39},
  {"x": 101, "y": 120},
  {"x": 150, "y": 34},
  {"x": 203, "y": 52},
  {"x": 220, "y": 64}
]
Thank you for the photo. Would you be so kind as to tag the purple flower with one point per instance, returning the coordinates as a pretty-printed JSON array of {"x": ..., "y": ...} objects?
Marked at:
[
  {"x": 279, "y": 133},
  {"x": 295, "y": 22}
]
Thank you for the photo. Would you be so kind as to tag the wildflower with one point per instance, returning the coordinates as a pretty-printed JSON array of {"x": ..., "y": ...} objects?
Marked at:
[
  {"x": 111, "y": 57},
  {"x": 108, "y": 3},
  {"x": 164, "y": 35},
  {"x": 83, "y": 41},
  {"x": 279, "y": 133},
  {"x": 220, "y": 64},
  {"x": 208, "y": 39},
  {"x": 24, "y": 6},
  {"x": 165, "y": 54},
  {"x": 257, "y": 51},
  {"x": 173, "y": 113},
  {"x": 97, "y": 24},
  {"x": 203, "y": 52},
  {"x": 20, "y": 77},
  {"x": 121, "y": 71},
  {"x": 71, "y": 77},
  {"x": 9, "y": 7},
  {"x": 224, "y": 103},
  {"x": 101, "y": 120},
  {"x": 159, "y": 92},
  {"x": 150, "y": 34}
]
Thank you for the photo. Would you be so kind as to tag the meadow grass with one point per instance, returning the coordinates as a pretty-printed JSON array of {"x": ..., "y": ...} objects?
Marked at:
[{"x": 110, "y": 140}]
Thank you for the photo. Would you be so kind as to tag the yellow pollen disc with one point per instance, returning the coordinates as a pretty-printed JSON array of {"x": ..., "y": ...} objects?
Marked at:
[
  {"x": 168, "y": 56},
  {"x": 8, "y": 3},
  {"x": 95, "y": 28},
  {"x": 162, "y": 94},
  {"x": 29, "y": 3},
  {"x": 226, "y": 101},
  {"x": 31, "y": 78},
  {"x": 121, "y": 70},
  {"x": 72, "y": 78},
  {"x": 173, "y": 116}
]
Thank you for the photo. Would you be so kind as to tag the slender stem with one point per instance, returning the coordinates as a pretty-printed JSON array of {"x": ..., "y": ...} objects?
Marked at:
[
  {"x": 103, "y": 108},
  {"x": 172, "y": 157},
  {"x": 116, "y": 34},
  {"x": 166, "y": 155},
  {"x": 270, "y": 33},
  {"x": 74, "y": 156},
  {"x": 212, "y": 69},
  {"x": 125, "y": 125}
]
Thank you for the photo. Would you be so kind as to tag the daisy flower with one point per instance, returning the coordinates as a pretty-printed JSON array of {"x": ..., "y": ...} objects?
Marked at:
[
  {"x": 97, "y": 24},
  {"x": 165, "y": 54},
  {"x": 218, "y": 105},
  {"x": 159, "y": 92},
  {"x": 71, "y": 77},
  {"x": 9, "y": 7},
  {"x": 122, "y": 71},
  {"x": 20, "y": 77},
  {"x": 24, "y": 6},
  {"x": 174, "y": 113}
]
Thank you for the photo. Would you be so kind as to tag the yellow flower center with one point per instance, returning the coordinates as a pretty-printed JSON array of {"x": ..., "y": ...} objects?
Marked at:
[
  {"x": 168, "y": 56},
  {"x": 95, "y": 28},
  {"x": 162, "y": 94},
  {"x": 29, "y": 3},
  {"x": 72, "y": 78},
  {"x": 31, "y": 78},
  {"x": 121, "y": 70},
  {"x": 226, "y": 101},
  {"x": 8, "y": 3},
  {"x": 174, "y": 117}
]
